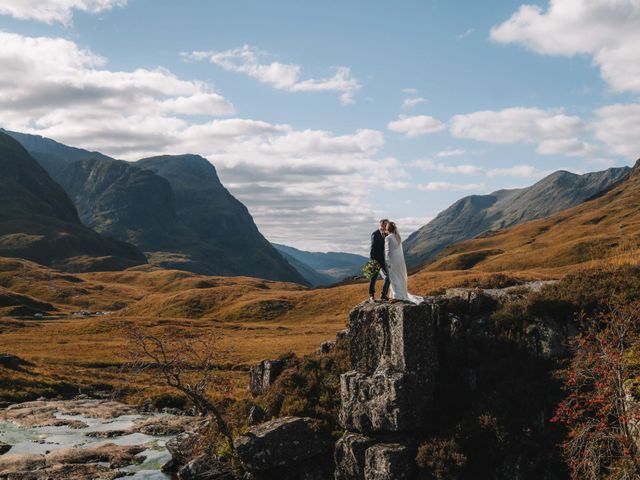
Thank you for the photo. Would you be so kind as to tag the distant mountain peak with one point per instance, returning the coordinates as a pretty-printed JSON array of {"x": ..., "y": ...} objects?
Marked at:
[
  {"x": 476, "y": 214},
  {"x": 173, "y": 207},
  {"x": 38, "y": 212}
]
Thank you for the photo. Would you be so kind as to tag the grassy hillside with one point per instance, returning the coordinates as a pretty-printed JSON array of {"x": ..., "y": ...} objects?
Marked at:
[
  {"x": 607, "y": 227},
  {"x": 477, "y": 214},
  {"x": 256, "y": 319}
]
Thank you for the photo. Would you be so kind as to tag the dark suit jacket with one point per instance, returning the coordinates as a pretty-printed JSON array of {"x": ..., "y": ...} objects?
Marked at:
[{"x": 377, "y": 247}]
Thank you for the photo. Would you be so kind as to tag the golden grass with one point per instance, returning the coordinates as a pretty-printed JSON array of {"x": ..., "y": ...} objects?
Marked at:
[
  {"x": 257, "y": 319},
  {"x": 595, "y": 232},
  {"x": 253, "y": 319}
]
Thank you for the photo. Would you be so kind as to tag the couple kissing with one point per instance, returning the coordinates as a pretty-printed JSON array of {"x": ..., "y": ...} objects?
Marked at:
[{"x": 386, "y": 249}]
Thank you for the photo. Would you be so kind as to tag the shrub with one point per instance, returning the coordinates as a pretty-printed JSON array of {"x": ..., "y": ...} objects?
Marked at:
[
  {"x": 309, "y": 386},
  {"x": 168, "y": 400},
  {"x": 600, "y": 411},
  {"x": 442, "y": 458}
]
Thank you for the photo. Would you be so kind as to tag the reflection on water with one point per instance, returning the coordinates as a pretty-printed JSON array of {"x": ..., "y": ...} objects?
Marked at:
[{"x": 41, "y": 440}]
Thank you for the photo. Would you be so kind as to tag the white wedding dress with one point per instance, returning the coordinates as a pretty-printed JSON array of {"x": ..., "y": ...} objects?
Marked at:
[{"x": 397, "y": 268}]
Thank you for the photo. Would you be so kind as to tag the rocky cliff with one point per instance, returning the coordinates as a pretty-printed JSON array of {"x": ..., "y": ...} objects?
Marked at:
[{"x": 422, "y": 373}]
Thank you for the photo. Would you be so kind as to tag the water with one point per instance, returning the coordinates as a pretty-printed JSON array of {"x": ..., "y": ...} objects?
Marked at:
[{"x": 40, "y": 440}]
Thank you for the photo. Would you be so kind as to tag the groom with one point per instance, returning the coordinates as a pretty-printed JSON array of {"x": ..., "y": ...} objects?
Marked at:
[{"x": 377, "y": 254}]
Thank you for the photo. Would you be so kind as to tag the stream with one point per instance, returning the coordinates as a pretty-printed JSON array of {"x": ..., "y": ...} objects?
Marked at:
[{"x": 44, "y": 439}]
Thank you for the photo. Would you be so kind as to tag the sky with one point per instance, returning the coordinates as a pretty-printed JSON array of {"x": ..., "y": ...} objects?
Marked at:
[{"x": 323, "y": 117}]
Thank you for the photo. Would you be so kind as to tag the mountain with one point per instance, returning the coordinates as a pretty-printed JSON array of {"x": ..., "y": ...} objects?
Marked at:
[
  {"x": 174, "y": 208},
  {"x": 118, "y": 199},
  {"x": 477, "y": 214},
  {"x": 323, "y": 268},
  {"x": 51, "y": 154},
  {"x": 39, "y": 222},
  {"x": 312, "y": 276},
  {"x": 606, "y": 226},
  {"x": 229, "y": 240}
]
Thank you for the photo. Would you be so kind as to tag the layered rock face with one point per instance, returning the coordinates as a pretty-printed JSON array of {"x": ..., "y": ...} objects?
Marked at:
[{"x": 387, "y": 394}]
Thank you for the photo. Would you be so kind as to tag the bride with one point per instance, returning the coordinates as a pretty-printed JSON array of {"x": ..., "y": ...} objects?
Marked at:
[{"x": 396, "y": 266}]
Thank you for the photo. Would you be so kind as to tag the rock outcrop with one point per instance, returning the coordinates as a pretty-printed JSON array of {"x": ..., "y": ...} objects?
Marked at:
[
  {"x": 389, "y": 390},
  {"x": 263, "y": 374},
  {"x": 4, "y": 448},
  {"x": 281, "y": 447},
  {"x": 70, "y": 463}
]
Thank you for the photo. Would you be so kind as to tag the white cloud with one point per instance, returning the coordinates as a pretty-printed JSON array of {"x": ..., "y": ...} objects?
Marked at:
[
  {"x": 565, "y": 146},
  {"x": 607, "y": 30},
  {"x": 515, "y": 125},
  {"x": 451, "y": 152},
  {"x": 412, "y": 102},
  {"x": 308, "y": 178},
  {"x": 253, "y": 62},
  {"x": 430, "y": 165},
  {"x": 204, "y": 103},
  {"x": 52, "y": 11},
  {"x": 410, "y": 91},
  {"x": 416, "y": 125},
  {"x": 521, "y": 171},
  {"x": 617, "y": 126},
  {"x": 553, "y": 131},
  {"x": 433, "y": 186},
  {"x": 51, "y": 85},
  {"x": 437, "y": 186}
]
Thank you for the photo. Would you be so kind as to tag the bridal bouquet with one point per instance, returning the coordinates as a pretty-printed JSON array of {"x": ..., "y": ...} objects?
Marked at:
[{"x": 371, "y": 269}]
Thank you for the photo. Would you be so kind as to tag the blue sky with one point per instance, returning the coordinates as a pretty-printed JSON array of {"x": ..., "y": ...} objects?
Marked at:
[{"x": 323, "y": 116}]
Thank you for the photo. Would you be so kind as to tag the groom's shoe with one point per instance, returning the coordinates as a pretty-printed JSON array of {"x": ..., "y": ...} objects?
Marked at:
[{"x": 384, "y": 299}]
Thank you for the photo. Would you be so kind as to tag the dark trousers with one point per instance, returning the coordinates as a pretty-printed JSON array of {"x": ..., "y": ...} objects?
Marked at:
[{"x": 385, "y": 286}]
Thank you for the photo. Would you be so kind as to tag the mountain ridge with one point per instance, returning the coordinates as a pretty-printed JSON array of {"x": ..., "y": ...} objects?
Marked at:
[
  {"x": 607, "y": 225},
  {"x": 477, "y": 214},
  {"x": 173, "y": 207},
  {"x": 39, "y": 222}
]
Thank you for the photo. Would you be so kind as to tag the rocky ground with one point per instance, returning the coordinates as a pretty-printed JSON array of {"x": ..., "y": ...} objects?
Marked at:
[{"x": 85, "y": 438}]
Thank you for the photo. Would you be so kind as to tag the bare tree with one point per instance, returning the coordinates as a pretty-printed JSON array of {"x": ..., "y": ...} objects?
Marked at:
[{"x": 185, "y": 363}]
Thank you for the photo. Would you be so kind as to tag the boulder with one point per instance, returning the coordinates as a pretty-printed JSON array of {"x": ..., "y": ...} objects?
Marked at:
[
  {"x": 550, "y": 338},
  {"x": 283, "y": 442},
  {"x": 10, "y": 361},
  {"x": 342, "y": 335},
  {"x": 14, "y": 463},
  {"x": 262, "y": 375},
  {"x": 206, "y": 467},
  {"x": 256, "y": 415},
  {"x": 115, "y": 455},
  {"x": 4, "y": 448},
  {"x": 386, "y": 401},
  {"x": 67, "y": 472},
  {"x": 327, "y": 346},
  {"x": 182, "y": 446},
  {"x": 389, "y": 461},
  {"x": 396, "y": 336},
  {"x": 349, "y": 456}
]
